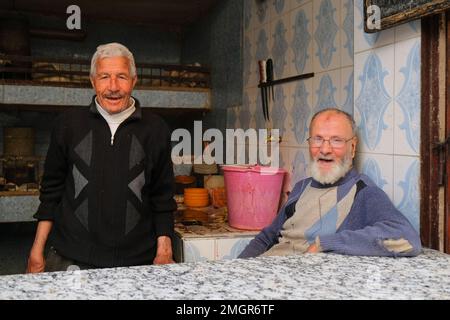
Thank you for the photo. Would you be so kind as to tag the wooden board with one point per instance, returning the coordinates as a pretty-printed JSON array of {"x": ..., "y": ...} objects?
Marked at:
[
  {"x": 394, "y": 12},
  {"x": 18, "y": 193}
]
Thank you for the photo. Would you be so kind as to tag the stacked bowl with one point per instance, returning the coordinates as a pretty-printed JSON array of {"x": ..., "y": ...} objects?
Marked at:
[{"x": 196, "y": 197}]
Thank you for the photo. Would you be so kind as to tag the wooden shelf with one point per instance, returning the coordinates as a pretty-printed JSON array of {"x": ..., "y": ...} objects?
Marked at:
[{"x": 18, "y": 193}]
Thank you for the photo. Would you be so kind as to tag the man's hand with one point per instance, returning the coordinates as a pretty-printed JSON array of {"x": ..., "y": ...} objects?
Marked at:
[
  {"x": 36, "y": 261},
  {"x": 312, "y": 249},
  {"x": 164, "y": 251}
]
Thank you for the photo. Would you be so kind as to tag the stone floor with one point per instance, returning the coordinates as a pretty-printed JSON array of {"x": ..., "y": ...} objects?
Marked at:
[{"x": 15, "y": 243}]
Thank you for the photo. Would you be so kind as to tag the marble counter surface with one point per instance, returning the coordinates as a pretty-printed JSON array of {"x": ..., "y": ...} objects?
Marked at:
[{"x": 310, "y": 276}]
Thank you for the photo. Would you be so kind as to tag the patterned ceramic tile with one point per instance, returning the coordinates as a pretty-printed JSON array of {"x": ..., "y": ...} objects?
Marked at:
[
  {"x": 198, "y": 250},
  {"x": 279, "y": 48},
  {"x": 278, "y": 112},
  {"x": 252, "y": 97},
  {"x": 261, "y": 9},
  {"x": 302, "y": 41},
  {"x": 347, "y": 32},
  {"x": 374, "y": 76},
  {"x": 408, "y": 30},
  {"x": 278, "y": 8},
  {"x": 347, "y": 96},
  {"x": 406, "y": 192},
  {"x": 364, "y": 41},
  {"x": 297, "y": 3},
  {"x": 379, "y": 168},
  {"x": 299, "y": 164},
  {"x": 326, "y": 36},
  {"x": 407, "y": 102},
  {"x": 301, "y": 112},
  {"x": 327, "y": 90}
]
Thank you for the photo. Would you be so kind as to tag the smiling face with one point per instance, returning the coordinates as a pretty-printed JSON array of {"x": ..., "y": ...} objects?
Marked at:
[
  {"x": 113, "y": 83},
  {"x": 329, "y": 164}
]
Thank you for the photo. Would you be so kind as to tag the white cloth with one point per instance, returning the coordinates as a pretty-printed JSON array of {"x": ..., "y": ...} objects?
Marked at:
[{"x": 114, "y": 120}]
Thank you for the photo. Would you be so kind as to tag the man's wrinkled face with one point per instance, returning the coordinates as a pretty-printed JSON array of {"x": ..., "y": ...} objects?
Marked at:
[
  {"x": 333, "y": 158},
  {"x": 113, "y": 83}
]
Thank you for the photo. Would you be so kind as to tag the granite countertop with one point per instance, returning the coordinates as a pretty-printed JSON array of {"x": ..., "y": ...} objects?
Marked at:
[{"x": 309, "y": 276}]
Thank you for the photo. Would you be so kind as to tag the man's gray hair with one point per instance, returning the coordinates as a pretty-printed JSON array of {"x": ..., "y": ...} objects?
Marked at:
[
  {"x": 339, "y": 111},
  {"x": 109, "y": 50}
]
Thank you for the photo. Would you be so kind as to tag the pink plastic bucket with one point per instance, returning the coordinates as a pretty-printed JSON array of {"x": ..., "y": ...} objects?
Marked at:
[{"x": 253, "y": 195}]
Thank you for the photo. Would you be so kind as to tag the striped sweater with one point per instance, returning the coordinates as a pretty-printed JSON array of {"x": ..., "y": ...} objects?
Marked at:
[{"x": 352, "y": 216}]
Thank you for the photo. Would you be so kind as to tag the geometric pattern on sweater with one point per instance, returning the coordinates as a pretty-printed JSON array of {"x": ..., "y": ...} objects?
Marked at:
[
  {"x": 84, "y": 148},
  {"x": 137, "y": 153},
  {"x": 317, "y": 212},
  {"x": 132, "y": 219},
  {"x": 82, "y": 214},
  {"x": 137, "y": 184},
  {"x": 79, "y": 181}
]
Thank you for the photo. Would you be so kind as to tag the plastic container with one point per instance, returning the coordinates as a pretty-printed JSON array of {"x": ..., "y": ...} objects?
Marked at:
[{"x": 253, "y": 195}]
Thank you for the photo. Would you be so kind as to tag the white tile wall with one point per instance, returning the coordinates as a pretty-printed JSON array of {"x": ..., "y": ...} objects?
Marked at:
[
  {"x": 389, "y": 126},
  {"x": 407, "y": 188}
]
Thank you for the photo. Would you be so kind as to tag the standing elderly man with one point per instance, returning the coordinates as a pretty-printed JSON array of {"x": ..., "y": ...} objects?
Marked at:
[
  {"x": 337, "y": 209},
  {"x": 107, "y": 190}
]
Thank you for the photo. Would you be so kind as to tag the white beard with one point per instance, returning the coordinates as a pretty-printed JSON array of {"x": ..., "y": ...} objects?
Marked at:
[{"x": 338, "y": 170}]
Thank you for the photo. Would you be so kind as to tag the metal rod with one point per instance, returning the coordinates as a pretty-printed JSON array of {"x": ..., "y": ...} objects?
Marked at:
[{"x": 279, "y": 81}]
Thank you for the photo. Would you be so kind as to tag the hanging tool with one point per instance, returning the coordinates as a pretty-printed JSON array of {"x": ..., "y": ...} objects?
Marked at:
[
  {"x": 262, "y": 82},
  {"x": 269, "y": 77}
]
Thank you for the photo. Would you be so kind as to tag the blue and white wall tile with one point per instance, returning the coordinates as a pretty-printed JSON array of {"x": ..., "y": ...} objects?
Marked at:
[
  {"x": 374, "y": 90},
  {"x": 279, "y": 47},
  {"x": 347, "y": 32},
  {"x": 302, "y": 38},
  {"x": 244, "y": 115},
  {"x": 300, "y": 113},
  {"x": 261, "y": 13},
  {"x": 327, "y": 90},
  {"x": 299, "y": 165},
  {"x": 406, "y": 188},
  {"x": 387, "y": 109},
  {"x": 379, "y": 167},
  {"x": 408, "y": 30},
  {"x": 365, "y": 41},
  {"x": 279, "y": 110},
  {"x": 327, "y": 38},
  {"x": 278, "y": 8},
  {"x": 297, "y": 3},
  {"x": 347, "y": 93},
  {"x": 407, "y": 97}
]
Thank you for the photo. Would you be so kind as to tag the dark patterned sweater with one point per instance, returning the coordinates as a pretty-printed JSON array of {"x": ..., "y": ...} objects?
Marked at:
[{"x": 108, "y": 203}]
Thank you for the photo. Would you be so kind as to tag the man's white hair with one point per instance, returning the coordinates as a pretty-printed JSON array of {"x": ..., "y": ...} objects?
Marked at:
[{"x": 109, "y": 50}]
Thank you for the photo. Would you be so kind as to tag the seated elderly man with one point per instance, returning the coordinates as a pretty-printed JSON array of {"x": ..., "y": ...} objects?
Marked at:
[{"x": 337, "y": 209}]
